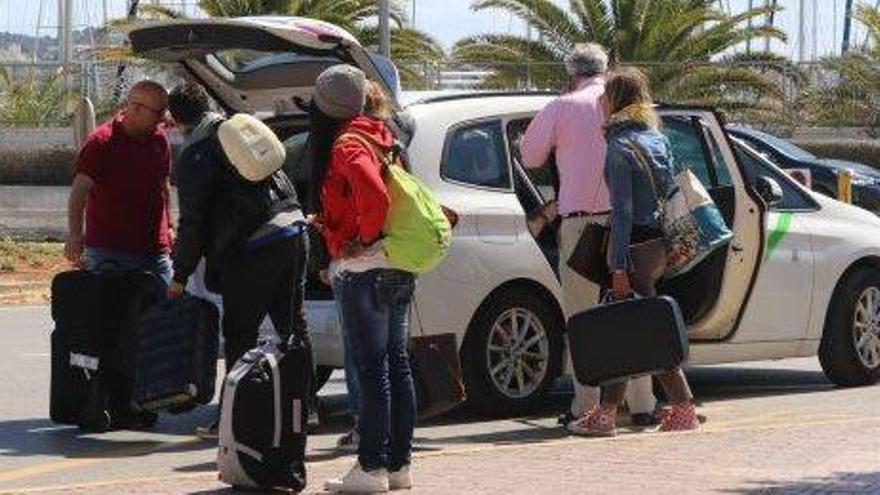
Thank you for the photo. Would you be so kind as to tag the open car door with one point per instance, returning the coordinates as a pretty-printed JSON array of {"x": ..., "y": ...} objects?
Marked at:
[{"x": 714, "y": 294}]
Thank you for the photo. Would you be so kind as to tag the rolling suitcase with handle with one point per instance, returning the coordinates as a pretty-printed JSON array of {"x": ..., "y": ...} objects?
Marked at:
[
  {"x": 629, "y": 338},
  {"x": 263, "y": 418},
  {"x": 176, "y": 365},
  {"x": 96, "y": 315}
]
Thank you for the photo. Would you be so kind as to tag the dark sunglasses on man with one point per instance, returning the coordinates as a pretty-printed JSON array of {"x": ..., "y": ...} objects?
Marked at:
[{"x": 159, "y": 113}]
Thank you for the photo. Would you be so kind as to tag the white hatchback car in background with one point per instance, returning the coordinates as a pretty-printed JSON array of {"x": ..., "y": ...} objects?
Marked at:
[{"x": 801, "y": 275}]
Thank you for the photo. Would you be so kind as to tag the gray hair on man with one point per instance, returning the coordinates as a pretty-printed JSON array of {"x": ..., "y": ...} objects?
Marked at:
[{"x": 586, "y": 60}]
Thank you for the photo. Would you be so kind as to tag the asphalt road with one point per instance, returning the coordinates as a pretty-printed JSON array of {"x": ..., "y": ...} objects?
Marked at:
[{"x": 36, "y": 455}]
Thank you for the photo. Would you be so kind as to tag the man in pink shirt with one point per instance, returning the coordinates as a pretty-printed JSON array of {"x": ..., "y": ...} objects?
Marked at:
[{"x": 571, "y": 127}]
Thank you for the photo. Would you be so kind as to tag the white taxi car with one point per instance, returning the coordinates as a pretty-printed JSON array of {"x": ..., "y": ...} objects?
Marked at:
[{"x": 800, "y": 277}]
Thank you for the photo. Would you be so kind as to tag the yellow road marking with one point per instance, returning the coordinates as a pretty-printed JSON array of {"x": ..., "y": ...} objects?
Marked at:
[
  {"x": 80, "y": 461},
  {"x": 707, "y": 429}
]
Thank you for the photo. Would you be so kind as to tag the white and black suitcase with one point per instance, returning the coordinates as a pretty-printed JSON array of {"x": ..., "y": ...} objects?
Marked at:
[{"x": 263, "y": 418}]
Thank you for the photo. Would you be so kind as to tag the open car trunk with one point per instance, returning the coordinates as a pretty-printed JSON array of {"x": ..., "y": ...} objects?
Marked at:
[{"x": 258, "y": 65}]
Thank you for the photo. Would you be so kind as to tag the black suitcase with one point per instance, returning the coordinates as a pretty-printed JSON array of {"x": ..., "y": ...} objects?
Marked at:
[
  {"x": 177, "y": 355},
  {"x": 628, "y": 338},
  {"x": 96, "y": 314},
  {"x": 263, "y": 418}
]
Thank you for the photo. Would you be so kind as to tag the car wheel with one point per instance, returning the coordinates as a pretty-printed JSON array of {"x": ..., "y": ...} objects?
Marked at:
[
  {"x": 512, "y": 352},
  {"x": 850, "y": 348},
  {"x": 322, "y": 376}
]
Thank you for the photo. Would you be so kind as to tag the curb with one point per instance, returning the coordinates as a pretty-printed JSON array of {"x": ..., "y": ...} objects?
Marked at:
[{"x": 22, "y": 288}]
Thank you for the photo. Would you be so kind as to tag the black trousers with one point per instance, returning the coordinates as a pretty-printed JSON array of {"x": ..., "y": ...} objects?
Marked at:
[{"x": 267, "y": 280}]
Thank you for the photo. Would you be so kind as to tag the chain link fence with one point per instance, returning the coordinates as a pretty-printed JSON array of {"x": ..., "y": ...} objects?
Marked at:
[{"x": 46, "y": 94}]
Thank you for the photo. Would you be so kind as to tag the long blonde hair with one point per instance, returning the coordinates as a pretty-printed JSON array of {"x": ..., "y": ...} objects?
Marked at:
[
  {"x": 627, "y": 89},
  {"x": 377, "y": 105}
]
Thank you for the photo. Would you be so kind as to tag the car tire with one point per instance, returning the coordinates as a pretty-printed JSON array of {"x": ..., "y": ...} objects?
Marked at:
[
  {"x": 486, "y": 394},
  {"x": 850, "y": 350},
  {"x": 322, "y": 376}
]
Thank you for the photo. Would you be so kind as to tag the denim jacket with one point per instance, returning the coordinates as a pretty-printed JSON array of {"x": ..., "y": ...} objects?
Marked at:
[{"x": 633, "y": 200}]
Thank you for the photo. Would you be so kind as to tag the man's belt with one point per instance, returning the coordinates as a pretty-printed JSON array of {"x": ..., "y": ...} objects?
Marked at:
[{"x": 578, "y": 214}]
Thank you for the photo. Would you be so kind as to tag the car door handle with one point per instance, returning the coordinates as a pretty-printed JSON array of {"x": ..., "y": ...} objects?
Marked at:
[{"x": 735, "y": 248}]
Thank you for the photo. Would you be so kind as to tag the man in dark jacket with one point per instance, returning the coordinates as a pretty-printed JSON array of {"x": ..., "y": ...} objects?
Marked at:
[{"x": 252, "y": 234}]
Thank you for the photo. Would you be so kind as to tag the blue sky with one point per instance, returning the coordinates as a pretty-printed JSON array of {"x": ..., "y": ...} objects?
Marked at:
[{"x": 447, "y": 20}]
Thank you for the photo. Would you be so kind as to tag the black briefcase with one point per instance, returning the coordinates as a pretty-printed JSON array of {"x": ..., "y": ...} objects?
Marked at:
[
  {"x": 628, "y": 338},
  {"x": 176, "y": 365}
]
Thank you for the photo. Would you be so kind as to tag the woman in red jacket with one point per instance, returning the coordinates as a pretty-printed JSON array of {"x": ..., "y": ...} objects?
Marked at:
[{"x": 373, "y": 298}]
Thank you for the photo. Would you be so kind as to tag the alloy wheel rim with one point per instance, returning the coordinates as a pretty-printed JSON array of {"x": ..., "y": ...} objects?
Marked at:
[
  {"x": 866, "y": 327},
  {"x": 517, "y": 353}
]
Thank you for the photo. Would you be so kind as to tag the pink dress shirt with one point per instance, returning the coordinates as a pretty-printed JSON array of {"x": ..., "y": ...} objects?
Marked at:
[{"x": 571, "y": 125}]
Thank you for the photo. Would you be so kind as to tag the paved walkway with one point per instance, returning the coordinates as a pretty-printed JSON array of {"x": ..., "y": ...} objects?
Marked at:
[{"x": 766, "y": 454}]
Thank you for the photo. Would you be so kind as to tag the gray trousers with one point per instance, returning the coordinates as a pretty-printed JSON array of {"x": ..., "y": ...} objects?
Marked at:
[{"x": 580, "y": 294}]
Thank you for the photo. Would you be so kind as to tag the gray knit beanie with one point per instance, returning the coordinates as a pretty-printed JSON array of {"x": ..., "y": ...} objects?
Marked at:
[{"x": 340, "y": 91}]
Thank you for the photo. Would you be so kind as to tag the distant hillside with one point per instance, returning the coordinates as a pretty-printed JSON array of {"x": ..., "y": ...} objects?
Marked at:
[{"x": 48, "y": 44}]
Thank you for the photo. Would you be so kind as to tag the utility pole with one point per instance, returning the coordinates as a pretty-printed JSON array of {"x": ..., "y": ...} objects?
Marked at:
[
  {"x": 68, "y": 32},
  {"x": 835, "y": 25},
  {"x": 771, "y": 19},
  {"x": 37, "y": 31},
  {"x": 815, "y": 30},
  {"x": 384, "y": 28},
  {"x": 60, "y": 33},
  {"x": 847, "y": 26},
  {"x": 802, "y": 32},
  {"x": 749, "y": 40}
]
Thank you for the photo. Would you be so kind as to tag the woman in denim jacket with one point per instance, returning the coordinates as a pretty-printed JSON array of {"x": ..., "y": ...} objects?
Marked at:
[{"x": 634, "y": 141}]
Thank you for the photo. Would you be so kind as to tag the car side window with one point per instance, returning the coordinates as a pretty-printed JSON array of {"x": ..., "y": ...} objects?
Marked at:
[
  {"x": 476, "y": 155},
  {"x": 793, "y": 199},
  {"x": 686, "y": 142}
]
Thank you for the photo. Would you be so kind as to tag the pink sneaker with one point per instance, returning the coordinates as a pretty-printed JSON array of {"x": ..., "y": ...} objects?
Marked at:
[
  {"x": 599, "y": 422},
  {"x": 680, "y": 417}
]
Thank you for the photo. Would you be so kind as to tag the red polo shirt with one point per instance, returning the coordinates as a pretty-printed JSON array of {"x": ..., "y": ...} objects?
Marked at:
[{"x": 127, "y": 208}]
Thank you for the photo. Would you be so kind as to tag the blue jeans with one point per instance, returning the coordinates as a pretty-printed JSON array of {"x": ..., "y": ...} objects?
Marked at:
[
  {"x": 159, "y": 263},
  {"x": 351, "y": 383},
  {"x": 374, "y": 306}
]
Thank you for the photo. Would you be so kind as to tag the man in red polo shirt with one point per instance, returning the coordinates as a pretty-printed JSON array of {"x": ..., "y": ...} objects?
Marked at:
[{"x": 121, "y": 189}]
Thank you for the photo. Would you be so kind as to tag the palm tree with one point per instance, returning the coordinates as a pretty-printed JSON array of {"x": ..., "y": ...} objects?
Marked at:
[
  {"x": 407, "y": 45},
  {"x": 852, "y": 96},
  {"x": 674, "y": 41},
  {"x": 37, "y": 99}
]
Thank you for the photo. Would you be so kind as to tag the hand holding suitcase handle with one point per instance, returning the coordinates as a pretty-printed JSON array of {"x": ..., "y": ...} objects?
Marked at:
[
  {"x": 175, "y": 290},
  {"x": 620, "y": 286},
  {"x": 609, "y": 298}
]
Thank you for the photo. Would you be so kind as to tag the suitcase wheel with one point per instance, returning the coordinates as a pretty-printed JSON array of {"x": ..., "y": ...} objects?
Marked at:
[{"x": 99, "y": 424}]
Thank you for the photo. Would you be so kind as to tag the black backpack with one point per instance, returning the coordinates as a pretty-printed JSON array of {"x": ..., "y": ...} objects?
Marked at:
[
  {"x": 263, "y": 418},
  {"x": 240, "y": 206}
]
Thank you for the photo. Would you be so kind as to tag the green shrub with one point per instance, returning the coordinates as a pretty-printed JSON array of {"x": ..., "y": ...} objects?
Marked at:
[{"x": 7, "y": 264}]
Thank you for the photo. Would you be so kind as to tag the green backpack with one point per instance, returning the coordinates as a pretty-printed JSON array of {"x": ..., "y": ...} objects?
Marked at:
[{"x": 417, "y": 233}]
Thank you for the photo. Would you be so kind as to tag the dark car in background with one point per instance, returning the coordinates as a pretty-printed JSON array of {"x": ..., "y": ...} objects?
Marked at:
[{"x": 824, "y": 171}]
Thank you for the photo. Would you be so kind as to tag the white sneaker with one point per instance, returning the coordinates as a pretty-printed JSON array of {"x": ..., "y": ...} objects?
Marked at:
[
  {"x": 358, "y": 480},
  {"x": 400, "y": 479}
]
